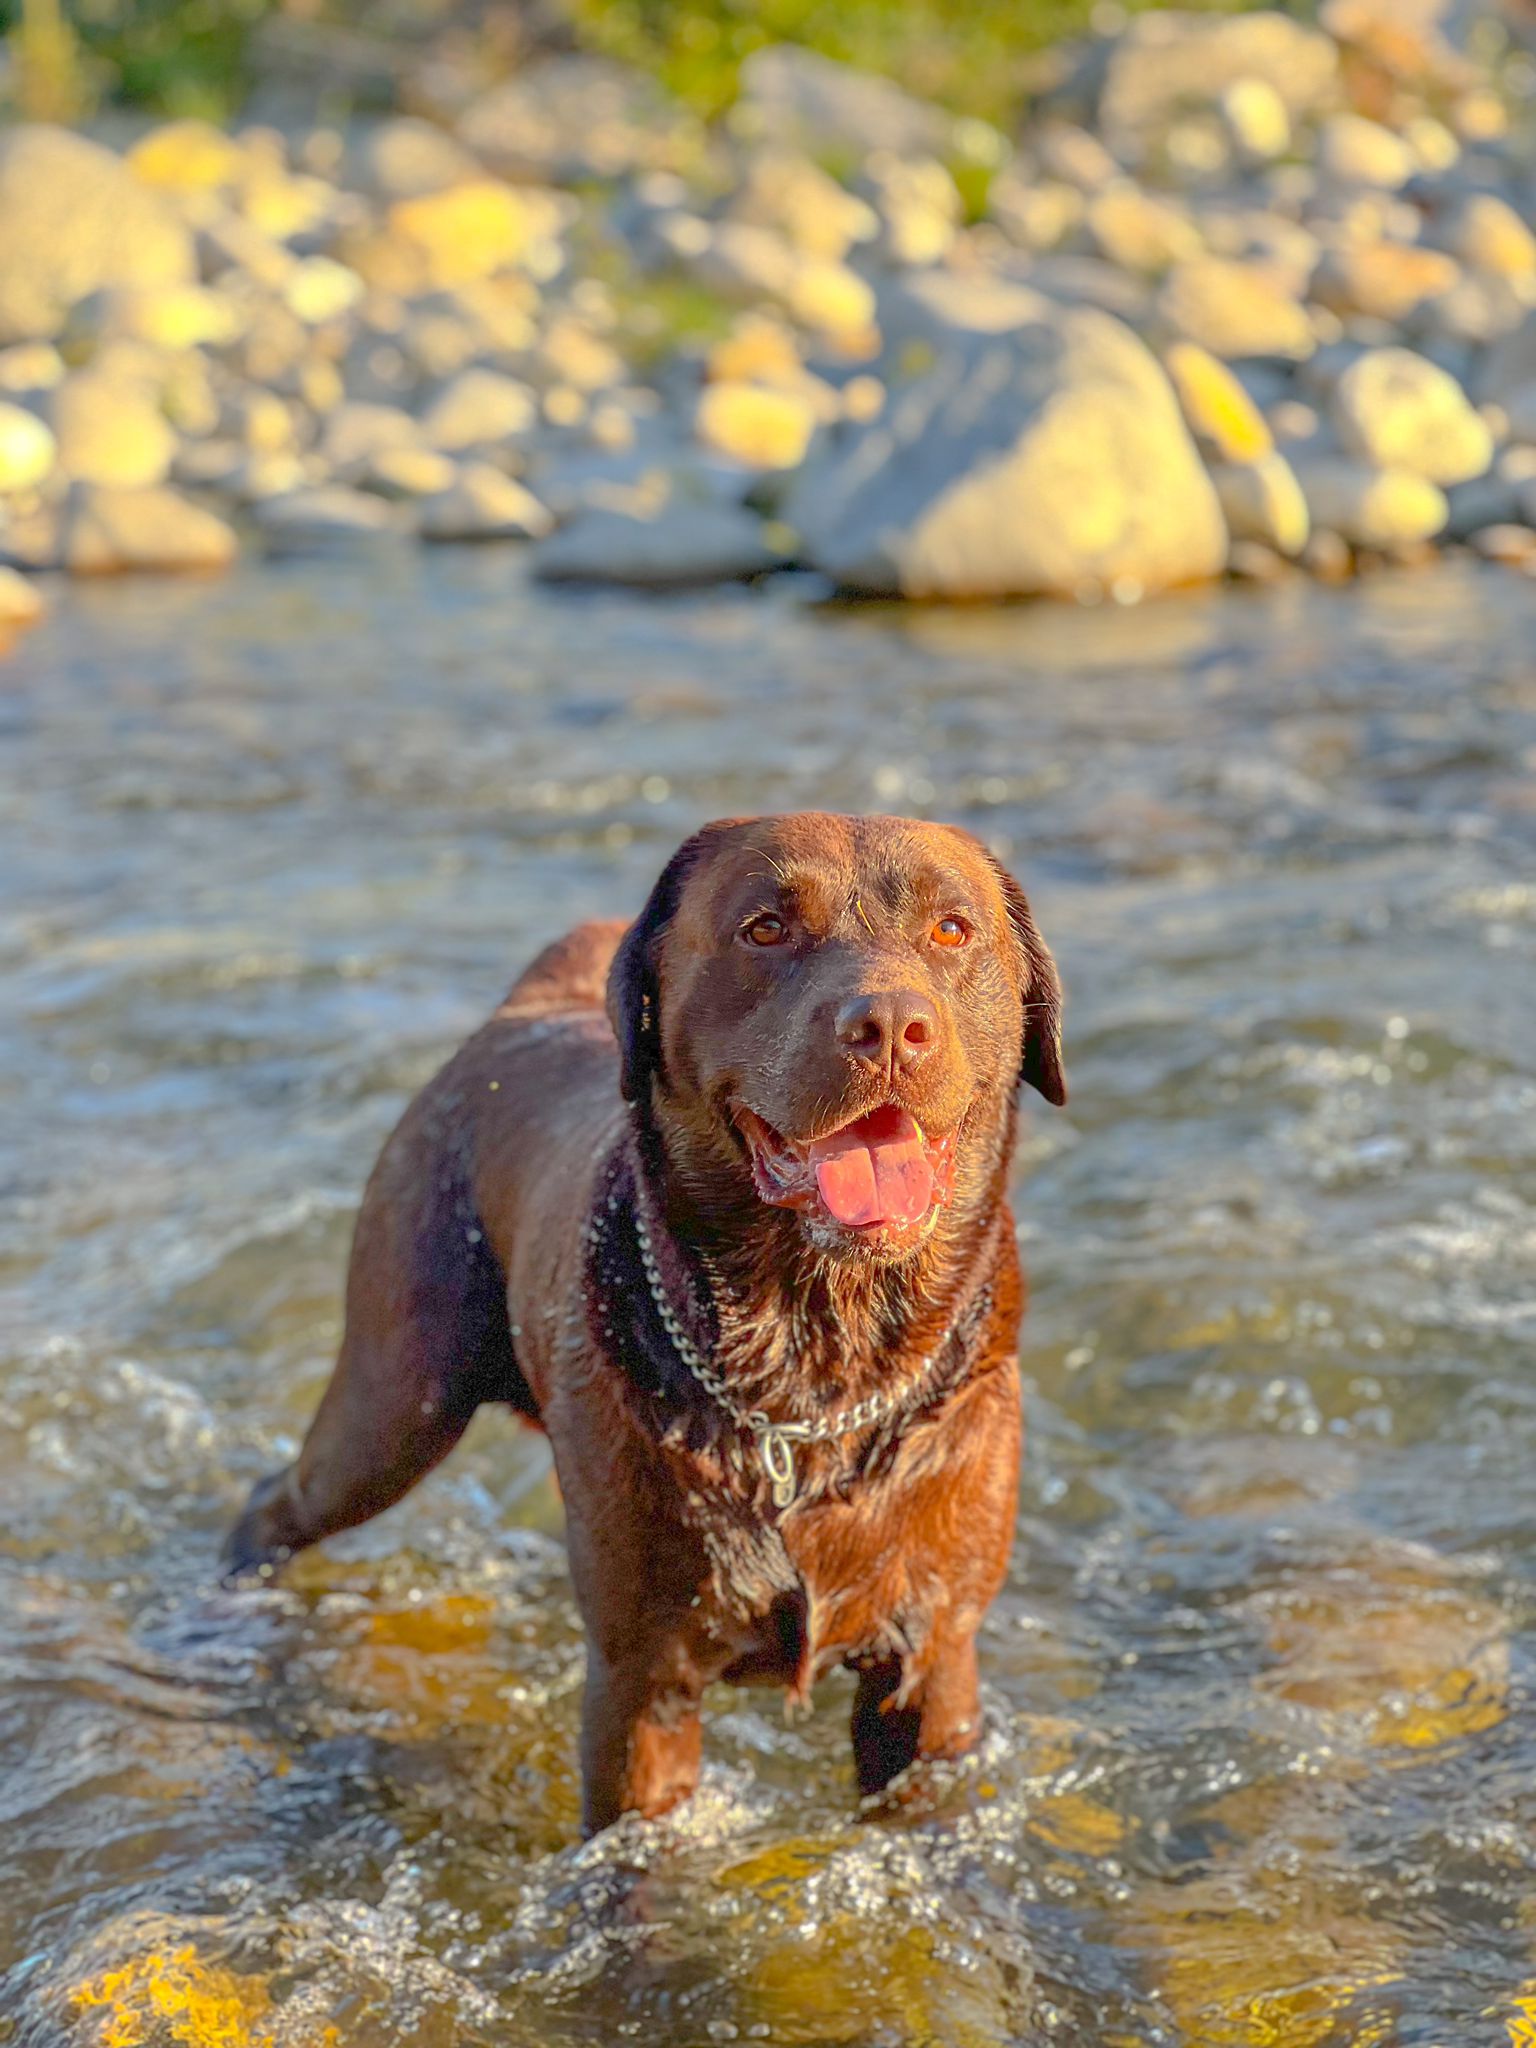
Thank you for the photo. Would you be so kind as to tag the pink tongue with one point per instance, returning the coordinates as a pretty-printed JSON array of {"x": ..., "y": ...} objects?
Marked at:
[{"x": 874, "y": 1171}]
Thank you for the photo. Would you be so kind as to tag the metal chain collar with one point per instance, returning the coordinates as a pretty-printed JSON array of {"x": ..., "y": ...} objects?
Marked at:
[{"x": 776, "y": 1440}]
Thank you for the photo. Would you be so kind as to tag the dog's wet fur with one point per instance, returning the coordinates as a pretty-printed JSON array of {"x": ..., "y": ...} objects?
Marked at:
[{"x": 727, "y": 1069}]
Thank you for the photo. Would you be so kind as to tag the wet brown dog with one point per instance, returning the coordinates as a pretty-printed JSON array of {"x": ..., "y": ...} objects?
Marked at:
[{"x": 767, "y": 1312}]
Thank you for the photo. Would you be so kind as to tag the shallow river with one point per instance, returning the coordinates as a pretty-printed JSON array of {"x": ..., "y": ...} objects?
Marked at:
[{"x": 1261, "y": 1758}]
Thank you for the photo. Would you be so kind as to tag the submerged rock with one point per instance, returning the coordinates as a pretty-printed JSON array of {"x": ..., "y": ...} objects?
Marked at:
[{"x": 1052, "y": 460}]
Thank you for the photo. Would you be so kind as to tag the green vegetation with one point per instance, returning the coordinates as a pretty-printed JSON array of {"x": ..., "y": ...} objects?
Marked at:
[
  {"x": 971, "y": 55},
  {"x": 196, "y": 56}
]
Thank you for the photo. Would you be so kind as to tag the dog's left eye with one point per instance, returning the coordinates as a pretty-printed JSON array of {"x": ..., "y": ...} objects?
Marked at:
[{"x": 950, "y": 931}]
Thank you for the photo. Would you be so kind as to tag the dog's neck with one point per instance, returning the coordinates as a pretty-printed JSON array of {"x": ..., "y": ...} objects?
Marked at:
[{"x": 793, "y": 1324}]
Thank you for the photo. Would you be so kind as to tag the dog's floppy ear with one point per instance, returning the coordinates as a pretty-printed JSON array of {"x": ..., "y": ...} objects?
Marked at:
[
  {"x": 634, "y": 991},
  {"x": 1041, "y": 1067}
]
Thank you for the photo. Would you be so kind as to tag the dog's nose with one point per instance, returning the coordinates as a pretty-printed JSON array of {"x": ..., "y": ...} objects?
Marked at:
[{"x": 896, "y": 1029}]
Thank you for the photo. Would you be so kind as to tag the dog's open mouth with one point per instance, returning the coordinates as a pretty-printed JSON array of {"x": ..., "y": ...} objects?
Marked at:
[{"x": 877, "y": 1173}]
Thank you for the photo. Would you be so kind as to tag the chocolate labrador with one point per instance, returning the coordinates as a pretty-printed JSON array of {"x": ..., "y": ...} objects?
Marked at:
[{"x": 741, "y": 1246}]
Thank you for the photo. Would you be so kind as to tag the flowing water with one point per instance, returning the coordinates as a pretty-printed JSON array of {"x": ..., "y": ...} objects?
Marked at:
[{"x": 1261, "y": 1753}]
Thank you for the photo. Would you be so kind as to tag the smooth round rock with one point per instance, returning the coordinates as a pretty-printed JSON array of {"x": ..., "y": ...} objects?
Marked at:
[
  {"x": 27, "y": 449},
  {"x": 1397, "y": 410}
]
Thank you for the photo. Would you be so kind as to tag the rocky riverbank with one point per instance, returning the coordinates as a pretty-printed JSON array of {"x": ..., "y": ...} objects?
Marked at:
[{"x": 1242, "y": 294}]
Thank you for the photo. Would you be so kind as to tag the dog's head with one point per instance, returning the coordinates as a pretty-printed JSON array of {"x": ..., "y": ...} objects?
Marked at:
[{"x": 834, "y": 1013}]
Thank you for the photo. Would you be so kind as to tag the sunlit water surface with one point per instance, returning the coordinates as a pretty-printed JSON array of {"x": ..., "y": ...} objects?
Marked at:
[{"x": 1261, "y": 1760}]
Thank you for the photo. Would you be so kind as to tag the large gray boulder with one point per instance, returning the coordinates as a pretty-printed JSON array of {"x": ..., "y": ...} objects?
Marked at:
[
  {"x": 1053, "y": 460},
  {"x": 74, "y": 221}
]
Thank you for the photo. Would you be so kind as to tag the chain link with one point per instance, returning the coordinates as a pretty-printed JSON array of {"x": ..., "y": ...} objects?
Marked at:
[{"x": 775, "y": 1440}]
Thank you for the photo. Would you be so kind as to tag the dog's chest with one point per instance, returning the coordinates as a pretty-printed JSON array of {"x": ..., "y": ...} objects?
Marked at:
[{"x": 823, "y": 1584}]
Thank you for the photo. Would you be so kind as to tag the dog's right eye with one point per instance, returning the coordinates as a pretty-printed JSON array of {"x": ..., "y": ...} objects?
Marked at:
[{"x": 767, "y": 930}]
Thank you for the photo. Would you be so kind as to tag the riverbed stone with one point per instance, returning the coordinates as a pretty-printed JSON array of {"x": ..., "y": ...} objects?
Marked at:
[
  {"x": 1139, "y": 231},
  {"x": 1051, "y": 460},
  {"x": 1355, "y": 151},
  {"x": 1235, "y": 310},
  {"x": 1263, "y": 501},
  {"x": 1383, "y": 280},
  {"x": 355, "y": 432},
  {"x": 1486, "y": 233},
  {"x": 813, "y": 103},
  {"x": 1165, "y": 61},
  {"x": 680, "y": 542},
  {"x": 1219, "y": 412},
  {"x": 73, "y": 220},
  {"x": 573, "y": 117},
  {"x": 1396, "y": 410},
  {"x": 1509, "y": 365},
  {"x": 409, "y": 158},
  {"x": 786, "y": 191},
  {"x": 755, "y": 424},
  {"x": 328, "y": 519},
  {"x": 111, "y": 432},
  {"x": 188, "y": 157},
  {"x": 21, "y": 602},
  {"x": 483, "y": 503},
  {"x": 1372, "y": 508},
  {"x": 478, "y": 409},
  {"x": 28, "y": 450},
  {"x": 467, "y": 232},
  {"x": 1256, "y": 118},
  {"x": 107, "y": 532}
]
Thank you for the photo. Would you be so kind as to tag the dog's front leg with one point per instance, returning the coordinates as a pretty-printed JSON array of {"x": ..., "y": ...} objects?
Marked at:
[
  {"x": 904, "y": 1711},
  {"x": 641, "y": 1740}
]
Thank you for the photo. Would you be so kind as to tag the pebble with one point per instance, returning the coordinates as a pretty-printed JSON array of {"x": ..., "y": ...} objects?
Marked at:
[
  {"x": 483, "y": 504},
  {"x": 756, "y": 425},
  {"x": 682, "y": 542},
  {"x": 478, "y": 409},
  {"x": 1373, "y": 508},
  {"x": 1220, "y": 414},
  {"x": 21, "y": 602},
  {"x": 327, "y": 519},
  {"x": 27, "y": 449},
  {"x": 110, "y": 431},
  {"x": 1263, "y": 501},
  {"x": 1235, "y": 310},
  {"x": 1396, "y": 410},
  {"x": 1356, "y": 151},
  {"x": 107, "y": 531}
]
